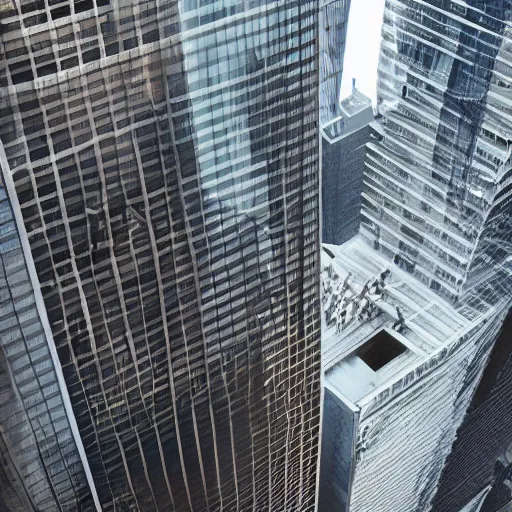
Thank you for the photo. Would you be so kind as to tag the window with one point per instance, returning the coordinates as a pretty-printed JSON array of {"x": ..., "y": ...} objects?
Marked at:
[
  {"x": 411, "y": 234},
  {"x": 61, "y": 12},
  {"x": 425, "y": 207},
  {"x": 83, "y": 6},
  {"x": 91, "y": 55}
]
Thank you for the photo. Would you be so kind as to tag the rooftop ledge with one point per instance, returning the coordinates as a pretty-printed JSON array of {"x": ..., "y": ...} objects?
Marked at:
[{"x": 378, "y": 322}]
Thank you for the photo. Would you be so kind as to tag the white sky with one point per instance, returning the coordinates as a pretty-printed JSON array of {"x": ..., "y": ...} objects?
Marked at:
[{"x": 363, "y": 46}]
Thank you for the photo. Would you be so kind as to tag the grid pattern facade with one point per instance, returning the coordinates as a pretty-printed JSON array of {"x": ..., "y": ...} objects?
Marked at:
[
  {"x": 165, "y": 157},
  {"x": 333, "y": 24},
  {"x": 40, "y": 466},
  {"x": 343, "y": 165},
  {"x": 406, "y": 432},
  {"x": 437, "y": 201},
  {"x": 473, "y": 465},
  {"x": 437, "y": 187}
]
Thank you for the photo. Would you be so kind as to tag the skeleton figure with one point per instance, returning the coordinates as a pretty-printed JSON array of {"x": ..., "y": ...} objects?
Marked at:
[
  {"x": 330, "y": 310},
  {"x": 383, "y": 276},
  {"x": 365, "y": 289},
  {"x": 375, "y": 287},
  {"x": 327, "y": 317},
  {"x": 340, "y": 320},
  {"x": 399, "y": 325},
  {"x": 351, "y": 310},
  {"x": 382, "y": 284},
  {"x": 345, "y": 285},
  {"x": 364, "y": 308}
]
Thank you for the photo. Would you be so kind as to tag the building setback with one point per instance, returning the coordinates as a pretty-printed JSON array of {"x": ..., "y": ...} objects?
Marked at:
[
  {"x": 414, "y": 304},
  {"x": 164, "y": 155}
]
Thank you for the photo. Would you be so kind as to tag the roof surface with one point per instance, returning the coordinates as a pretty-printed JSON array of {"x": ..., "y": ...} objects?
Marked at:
[{"x": 430, "y": 321}]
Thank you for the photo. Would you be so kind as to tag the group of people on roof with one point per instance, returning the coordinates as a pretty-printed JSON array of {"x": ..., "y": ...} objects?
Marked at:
[{"x": 342, "y": 304}]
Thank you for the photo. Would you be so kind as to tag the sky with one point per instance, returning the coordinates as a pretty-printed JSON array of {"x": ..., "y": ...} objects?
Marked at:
[{"x": 362, "y": 49}]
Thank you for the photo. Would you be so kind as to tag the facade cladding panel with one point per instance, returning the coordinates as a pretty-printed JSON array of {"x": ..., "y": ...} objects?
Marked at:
[
  {"x": 437, "y": 190},
  {"x": 165, "y": 157}
]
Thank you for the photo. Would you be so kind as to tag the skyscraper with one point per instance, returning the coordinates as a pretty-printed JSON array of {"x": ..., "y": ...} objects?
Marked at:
[
  {"x": 344, "y": 142},
  {"x": 41, "y": 454},
  {"x": 414, "y": 304},
  {"x": 164, "y": 157},
  {"x": 444, "y": 164},
  {"x": 333, "y": 25}
]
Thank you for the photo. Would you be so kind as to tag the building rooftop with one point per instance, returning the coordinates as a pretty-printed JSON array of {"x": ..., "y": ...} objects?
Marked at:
[
  {"x": 401, "y": 321},
  {"x": 356, "y": 111},
  {"x": 356, "y": 103}
]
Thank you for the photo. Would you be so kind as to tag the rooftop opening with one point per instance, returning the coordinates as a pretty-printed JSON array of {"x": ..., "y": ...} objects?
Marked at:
[{"x": 380, "y": 350}]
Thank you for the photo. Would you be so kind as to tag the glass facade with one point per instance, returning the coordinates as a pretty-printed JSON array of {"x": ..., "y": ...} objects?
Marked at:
[
  {"x": 436, "y": 187},
  {"x": 165, "y": 158},
  {"x": 333, "y": 24},
  {"x": 40, "y": 464},
  {"x": 437, "y": 204}
]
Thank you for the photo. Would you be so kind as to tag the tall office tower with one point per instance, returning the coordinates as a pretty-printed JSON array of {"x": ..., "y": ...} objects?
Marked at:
[
  {"x": 164, "y": 155},
  {"x": 418, "y": 298},
  {"x": 445, "y": 160},
  {"x": 41, "y": 454},
  {"x": 333, "y": 24},
  {"x": 342, "y": 168},
  {"x": 344, "y": 141}
]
